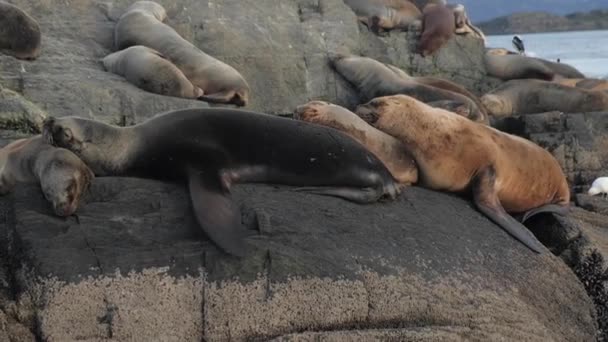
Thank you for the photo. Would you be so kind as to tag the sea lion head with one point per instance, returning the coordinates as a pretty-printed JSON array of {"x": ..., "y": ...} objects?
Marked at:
[
  {"x": 65, "y": 179},
  {"x": 496, "y": 105},
  {"x": 66, "y": 132},
  {"x": 148, "y": 7},
  {"x": 310, "y": 111},
  {"x": 373, "y": 110}
]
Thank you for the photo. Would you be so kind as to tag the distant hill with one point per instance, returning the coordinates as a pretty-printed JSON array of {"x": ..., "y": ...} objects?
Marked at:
[
  {"x": 531, "y": 22},
  {"x": 484, "y": 10}
]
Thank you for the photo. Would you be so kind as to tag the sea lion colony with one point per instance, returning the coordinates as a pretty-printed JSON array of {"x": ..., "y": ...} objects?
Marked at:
[{"x": 407, "y": 130}]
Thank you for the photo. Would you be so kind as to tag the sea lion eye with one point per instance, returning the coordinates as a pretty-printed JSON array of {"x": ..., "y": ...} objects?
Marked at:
[{"x": 67, "y": 134}]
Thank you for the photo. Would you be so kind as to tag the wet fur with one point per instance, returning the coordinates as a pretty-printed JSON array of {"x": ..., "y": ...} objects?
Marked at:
[
  {"x": 451, "y": 152},
  {"x": 223, "y": 147},
  {"x": 438, "y": 26}
]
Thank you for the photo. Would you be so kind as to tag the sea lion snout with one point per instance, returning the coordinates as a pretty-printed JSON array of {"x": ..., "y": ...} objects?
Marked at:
[{"x": 65, "y": 208}]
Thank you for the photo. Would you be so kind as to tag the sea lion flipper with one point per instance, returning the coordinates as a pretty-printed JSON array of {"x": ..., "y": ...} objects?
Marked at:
[
  {"x": 486, "y": 200},
  {"x": 216, "y": 213},
  {"x": 221, "y": 97},
  {"x": 357, "y": 195},
  {"x": 552, "y": 208}
]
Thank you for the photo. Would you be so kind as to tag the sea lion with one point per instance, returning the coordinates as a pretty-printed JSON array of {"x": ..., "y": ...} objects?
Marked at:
[
  {"x": 504, "y": 64},
  {"x": 536, "y": 96},
  {"x": 150, "y": 71},
  {"x": 373, "y": 79},
  {"x": 438, "y": 27},
  {"x": 388, "y": 149},
  {"x": 62, "y": 176},
  {"x": 19, "y": 33},
  {"x": 142, "y": 24},
  {"x": 463, "y": 24},
  {"x": 200, "y": 145},
  {"x": 585, "y": 83},
  {"x": 560, "y": 69},
  {"x": 505, "y": 173},
  {"x": 514, "y": 66},
  {"x": 499, "y": 52},
  {"x": 386, "y": 15}
]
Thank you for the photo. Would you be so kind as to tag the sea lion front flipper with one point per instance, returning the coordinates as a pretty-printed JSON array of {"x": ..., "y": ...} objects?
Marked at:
[
  {"x": 357, "y": 195},
  {"x": 547, "y": 208},
  {"x": 221, "y": 97},
  {"x": 215, "y": 212},
  {"x": 486, "y": 200}
]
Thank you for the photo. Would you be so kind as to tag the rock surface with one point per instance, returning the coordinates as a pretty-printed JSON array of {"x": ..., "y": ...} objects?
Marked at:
[
  {"x": 579, "y": 141},
  {"x": 134, "y": 265},
  {"x": 281, "y": 50}
]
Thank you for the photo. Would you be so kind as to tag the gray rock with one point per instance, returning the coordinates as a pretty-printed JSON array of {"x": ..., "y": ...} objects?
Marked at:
[
  {"x": 577, "y": 140},
  {"x": 135, "y": 265},
  {"x": 281, "y": 49}
]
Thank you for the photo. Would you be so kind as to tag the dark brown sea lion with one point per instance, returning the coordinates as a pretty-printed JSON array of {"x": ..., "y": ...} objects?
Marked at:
[
  {"x": 62, "y": 176},
  {"x": 504, "y": 173},
  {"x": 214, "y": 148},
  {"x": 19, "y": 33},
  {"x": 438, "y": 27}
]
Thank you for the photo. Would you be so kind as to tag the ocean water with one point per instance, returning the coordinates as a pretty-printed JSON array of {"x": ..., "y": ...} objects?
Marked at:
[{"x": 585, "y": 50}]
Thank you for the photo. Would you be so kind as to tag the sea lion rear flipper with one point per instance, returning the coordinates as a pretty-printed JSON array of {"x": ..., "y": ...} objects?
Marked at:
[
  {"x": 486, "y": 200},
  {"x": 552, "y": 208},
  {"x": 357, "y": 195},
  {"x": 215, "y": 212}
]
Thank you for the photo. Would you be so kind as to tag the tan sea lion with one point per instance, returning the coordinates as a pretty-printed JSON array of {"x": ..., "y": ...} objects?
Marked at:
[
  {"x": 150, "y": 71},
  {"x": 373, "y": 79},
  {"x": 386, "y": 15},
  {"x": 62, "y": 176},
  {"x": 388, "y": 149},
  {"x": 585, "y": 83},
  {"x": 438, "y": 27},
  {"x": 19, "y": 33},
  {"x": 463, "y": 24},
  {"x": 505, "y": 173},
  {"x": 142, "y": 24},
  {"x": 536, "y": 96},
  {"x": 499, "y": 52}
]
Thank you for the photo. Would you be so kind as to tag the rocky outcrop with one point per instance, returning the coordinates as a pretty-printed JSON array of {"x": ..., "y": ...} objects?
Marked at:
[
  {"x": 134, "y": 265},
  {"x": 281, "y": 49},
  {"x": 577, "y": 140}
]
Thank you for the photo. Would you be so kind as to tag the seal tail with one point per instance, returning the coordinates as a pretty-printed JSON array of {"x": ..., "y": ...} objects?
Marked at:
[
  {"x": 215, "y": 212},
  {"x": 486, "y": 200},
  {"x": 548, "y": 208}
]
